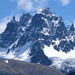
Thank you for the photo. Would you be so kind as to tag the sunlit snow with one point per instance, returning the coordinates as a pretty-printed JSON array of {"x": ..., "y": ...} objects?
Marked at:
[{"x": 51, "y": 52}]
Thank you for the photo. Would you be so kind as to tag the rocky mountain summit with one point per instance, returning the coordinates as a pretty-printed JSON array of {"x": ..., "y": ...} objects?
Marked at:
[{"x": 42, "y": 38}]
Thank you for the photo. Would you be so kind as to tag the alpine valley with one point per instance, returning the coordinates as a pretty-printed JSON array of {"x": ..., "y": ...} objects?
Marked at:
[{"x": 42, "y": 38}]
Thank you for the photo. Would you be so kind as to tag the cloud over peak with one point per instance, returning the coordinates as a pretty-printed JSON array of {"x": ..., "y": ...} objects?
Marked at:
[
  {"x": 65, "y": 2},
  {"x": 30, "y": 5}
]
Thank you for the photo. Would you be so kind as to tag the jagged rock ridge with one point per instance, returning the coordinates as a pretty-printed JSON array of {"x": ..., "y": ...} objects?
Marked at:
[{"x": 38, "y": 38}]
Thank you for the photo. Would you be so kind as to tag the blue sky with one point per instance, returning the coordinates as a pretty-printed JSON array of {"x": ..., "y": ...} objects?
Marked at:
[{"x": 8, "y": 8}]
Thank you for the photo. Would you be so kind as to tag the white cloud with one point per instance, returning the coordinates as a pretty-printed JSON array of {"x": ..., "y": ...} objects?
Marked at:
[
  {"x": 30, "y": 5},
  {"x": 25, "y": 5},
  {"x": 65, "y": 2},
  {"x": 3, "y": 23}
]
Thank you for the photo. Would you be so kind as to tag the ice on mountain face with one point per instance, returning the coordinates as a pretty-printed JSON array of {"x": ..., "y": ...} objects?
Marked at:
[
  {"x": 44, "y": 11},
  {"x": 3, "y": 53},
  {"x": 45, "y": 31},
  {"x": 56, "y": 42},
  {"x": 23, "y": 53},
  {"x": 51, "y": 52},
  {"x": 29, "y": 21},
  {"x": 10, "y": 55},
  {"x": 53, "y": 14},
  {"x": 69, "y": 38},
  {"x": 24, "y": 56},
  {"x": 15, "y": 43},
  {"x": 23, "y": 29},
  {"x": 45, "y": 21},
  {"x": 7, "y": 56},
  {"x": 56, "y": 23},
  {"x": 23, "y": 48}
]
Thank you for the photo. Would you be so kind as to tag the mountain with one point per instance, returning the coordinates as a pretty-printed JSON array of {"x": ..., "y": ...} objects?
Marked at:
[
  {"x": 14, "y": 67},
  {"x": 73, "y": 73},
  {"x": 42, "y": 38}
]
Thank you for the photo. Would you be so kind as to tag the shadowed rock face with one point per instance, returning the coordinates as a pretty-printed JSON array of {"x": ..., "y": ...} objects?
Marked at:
[
  {"x": 73, "y": 73},
  {"x": 14, "y": 67}
]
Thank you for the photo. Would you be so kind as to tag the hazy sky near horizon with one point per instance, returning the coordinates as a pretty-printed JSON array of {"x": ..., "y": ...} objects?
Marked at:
[{"x": 8, "y": 8}]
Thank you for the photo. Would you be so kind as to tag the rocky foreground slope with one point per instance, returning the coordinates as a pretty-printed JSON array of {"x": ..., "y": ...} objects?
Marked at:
[{"x": 14, "y": 67}]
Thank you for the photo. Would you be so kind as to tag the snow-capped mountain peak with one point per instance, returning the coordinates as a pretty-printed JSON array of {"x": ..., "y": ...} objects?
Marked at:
[
  {"x": 40, "y": 38},
  {"x": 44, "y": 11}
]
